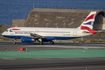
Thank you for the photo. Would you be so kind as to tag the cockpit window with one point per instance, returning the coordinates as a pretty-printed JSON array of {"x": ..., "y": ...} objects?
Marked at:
[
  {"x": 10, "y": 31},
  {"x": 6, "y": 31}
]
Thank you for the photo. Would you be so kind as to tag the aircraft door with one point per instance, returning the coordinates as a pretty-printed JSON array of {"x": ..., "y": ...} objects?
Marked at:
[{"x": 75, "y": 32}]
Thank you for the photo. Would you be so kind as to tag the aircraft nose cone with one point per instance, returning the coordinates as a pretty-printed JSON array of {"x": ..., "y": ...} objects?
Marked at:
[{"x": 2, "y": 33}]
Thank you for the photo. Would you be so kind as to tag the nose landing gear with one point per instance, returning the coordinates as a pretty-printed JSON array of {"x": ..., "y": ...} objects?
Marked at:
[{"x": 14, "y": 41}]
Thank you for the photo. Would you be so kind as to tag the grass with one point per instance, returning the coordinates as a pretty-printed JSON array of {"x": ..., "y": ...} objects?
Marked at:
[
  {"x": 8, "y": 39},
  {"x": 100, "y": 34},
  {"x": 81, "y": 41}
]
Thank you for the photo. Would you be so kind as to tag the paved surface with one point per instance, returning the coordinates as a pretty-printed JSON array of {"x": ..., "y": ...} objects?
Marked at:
[
  {"x": 51, "y": 63},
  {"x": 35, "y": 46}
]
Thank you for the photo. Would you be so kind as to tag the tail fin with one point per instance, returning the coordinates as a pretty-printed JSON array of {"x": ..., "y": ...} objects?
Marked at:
[{"x": 88, "y": 23}]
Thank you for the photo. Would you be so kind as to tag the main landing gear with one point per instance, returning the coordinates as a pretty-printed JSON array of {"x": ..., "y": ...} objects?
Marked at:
[
  {"x": 14, "y": 41},
  {"x": 51, "y": 42},
  {"x": 41, "y": 42}
]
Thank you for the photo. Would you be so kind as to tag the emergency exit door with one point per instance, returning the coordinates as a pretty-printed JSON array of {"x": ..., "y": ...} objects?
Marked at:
[{"x": 75, "y": 32}]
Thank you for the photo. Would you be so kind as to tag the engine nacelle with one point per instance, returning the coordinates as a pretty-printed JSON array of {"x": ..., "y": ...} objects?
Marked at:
[{"x": 27, "y": 39}]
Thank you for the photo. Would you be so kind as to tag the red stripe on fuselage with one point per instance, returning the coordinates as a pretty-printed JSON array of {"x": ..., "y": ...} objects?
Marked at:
[
  {"x": 14, "y": 29},
  {"x": 90, "y": 17},
  {"x": 90, "y": 30}
]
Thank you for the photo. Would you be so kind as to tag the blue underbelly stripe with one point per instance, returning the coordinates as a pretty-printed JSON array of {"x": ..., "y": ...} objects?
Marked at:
[{"x": 55, "y": 37}]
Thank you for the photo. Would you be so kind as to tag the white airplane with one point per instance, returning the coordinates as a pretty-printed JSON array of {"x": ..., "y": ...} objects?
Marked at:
[{"x": 32, "y": 34}]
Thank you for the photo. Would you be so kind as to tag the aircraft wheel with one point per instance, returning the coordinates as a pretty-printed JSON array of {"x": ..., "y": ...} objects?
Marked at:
[
  {"x": 14, "y": 42},
  {"x": 51, "y": 42},
  {"x": 41, "y": 43}
]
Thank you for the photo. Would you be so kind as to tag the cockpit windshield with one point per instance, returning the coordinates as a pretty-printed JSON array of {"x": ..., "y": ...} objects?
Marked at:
[{"x": 6, "y": 31}]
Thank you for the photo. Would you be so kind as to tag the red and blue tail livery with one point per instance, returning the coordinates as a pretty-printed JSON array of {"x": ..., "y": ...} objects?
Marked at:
[{"x": 89, "y": 22}]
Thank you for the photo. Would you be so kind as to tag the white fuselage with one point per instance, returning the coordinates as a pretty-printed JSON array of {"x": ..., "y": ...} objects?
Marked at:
[{"x": 46, "y": 32}]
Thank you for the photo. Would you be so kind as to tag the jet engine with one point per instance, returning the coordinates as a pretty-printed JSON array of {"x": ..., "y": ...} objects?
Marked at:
[{"x": 27, "y": 39}]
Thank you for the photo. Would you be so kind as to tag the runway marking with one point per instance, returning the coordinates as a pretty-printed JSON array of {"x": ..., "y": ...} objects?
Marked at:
[
  {"x": 85, "y": 48},
  {"x": 78, "y": 67},
  {"x": 85, "y": 67},
  {"x": 99, "y": 58},
  {"x": 8, "y": 59},
  {"x": 73, "y": 47},
  {"x": 63, "y": 68},
  {"x": 41, "y": 59}
]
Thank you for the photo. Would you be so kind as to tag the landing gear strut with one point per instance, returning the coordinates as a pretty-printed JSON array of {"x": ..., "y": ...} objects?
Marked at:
[
  {"x": 51, "y": 42},
  {"x": 14, "y": 41},
  {"x": 40, "y": 41}
]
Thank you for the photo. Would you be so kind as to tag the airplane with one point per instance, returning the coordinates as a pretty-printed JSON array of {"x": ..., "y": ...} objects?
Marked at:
[{"x": 41, "y": 34}]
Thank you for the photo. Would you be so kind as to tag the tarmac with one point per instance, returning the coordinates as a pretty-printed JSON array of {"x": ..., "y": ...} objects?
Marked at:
[{"x": 60, "y": 56}]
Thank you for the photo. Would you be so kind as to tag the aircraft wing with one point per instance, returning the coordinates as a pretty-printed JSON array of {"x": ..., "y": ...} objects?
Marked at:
[
  {"x": 41, "y": 37},
  {"x": 36, "y": 35}
]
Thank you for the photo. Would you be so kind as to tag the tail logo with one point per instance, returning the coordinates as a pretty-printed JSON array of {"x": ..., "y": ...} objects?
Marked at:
[
  {"x": 88, "y": 23},
  {"x": 90, "y": 30},
  {"x": 90, "y": 17}
]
